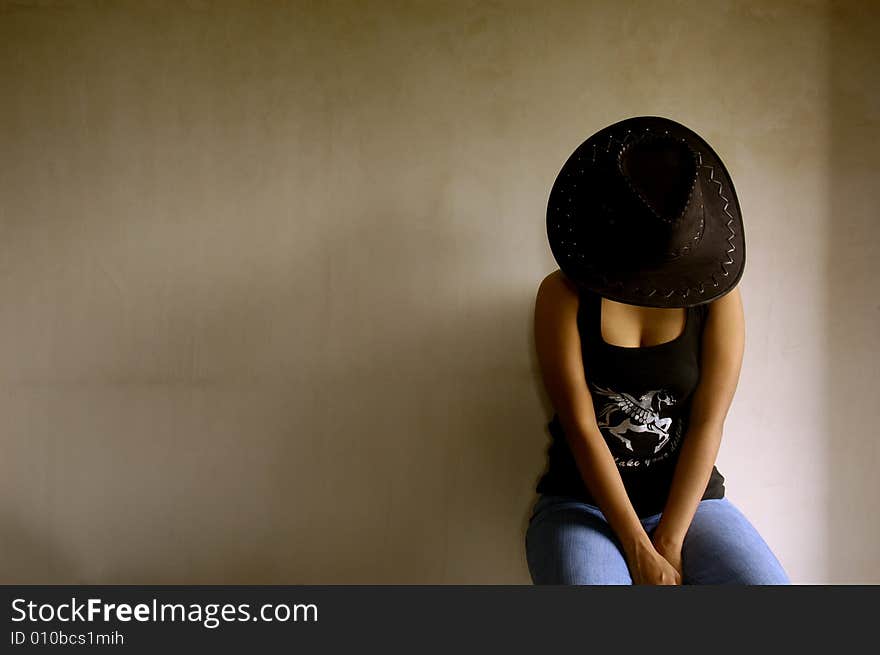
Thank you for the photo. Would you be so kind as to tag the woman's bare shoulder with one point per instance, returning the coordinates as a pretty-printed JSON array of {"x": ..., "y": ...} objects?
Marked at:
[
  {"x": 558, "y": 283},
  {"x": 732, "y": 298}
]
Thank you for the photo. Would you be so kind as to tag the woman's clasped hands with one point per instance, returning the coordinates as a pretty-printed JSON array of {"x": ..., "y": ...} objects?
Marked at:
[{"x": 656, "y": 562}]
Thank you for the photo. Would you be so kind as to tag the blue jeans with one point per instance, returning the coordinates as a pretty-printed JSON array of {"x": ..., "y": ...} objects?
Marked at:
[{"x": 569, "y": 542}]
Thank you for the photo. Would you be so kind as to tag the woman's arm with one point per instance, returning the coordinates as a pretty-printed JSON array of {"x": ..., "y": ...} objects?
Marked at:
[
  {"x": 559, "y": 354},
  {"x": 720, "y": 364}
]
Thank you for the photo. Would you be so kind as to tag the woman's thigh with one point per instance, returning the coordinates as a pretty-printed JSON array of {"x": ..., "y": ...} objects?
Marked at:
[
  {"x": 568, "y": 544},
  {"x": 722, "y": 547}
]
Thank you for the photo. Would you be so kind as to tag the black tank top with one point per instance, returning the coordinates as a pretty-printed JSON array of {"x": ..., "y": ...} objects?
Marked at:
[{"x": 642, "y": 398}]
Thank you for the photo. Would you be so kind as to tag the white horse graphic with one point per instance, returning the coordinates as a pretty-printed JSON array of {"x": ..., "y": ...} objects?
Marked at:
[{"x": 639, "y": 415}]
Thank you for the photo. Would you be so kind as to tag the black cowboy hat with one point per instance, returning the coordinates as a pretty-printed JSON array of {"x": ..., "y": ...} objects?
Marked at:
[{"x": 645, "y": 213}]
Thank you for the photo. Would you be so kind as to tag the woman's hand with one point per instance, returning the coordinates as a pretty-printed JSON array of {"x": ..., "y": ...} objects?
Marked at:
[
  {"x": 669, "y": 549},
  {"x": 648, "y": 566}
]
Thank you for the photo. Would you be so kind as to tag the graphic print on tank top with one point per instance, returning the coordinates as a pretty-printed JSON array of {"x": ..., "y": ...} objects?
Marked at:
[{"x": 640, "y": 430}]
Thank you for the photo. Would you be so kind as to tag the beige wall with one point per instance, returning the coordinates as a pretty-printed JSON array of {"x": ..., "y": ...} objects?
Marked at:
[{"x": 268, "y": 273}]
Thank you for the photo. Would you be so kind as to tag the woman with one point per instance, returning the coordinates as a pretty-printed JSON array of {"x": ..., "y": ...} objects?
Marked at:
[{"x": 640, "y": 337}]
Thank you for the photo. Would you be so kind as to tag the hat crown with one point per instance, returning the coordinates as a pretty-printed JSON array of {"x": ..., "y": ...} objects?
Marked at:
[
  {"x": 652, "y": 199},
  {"x": 661, "y": 172}
]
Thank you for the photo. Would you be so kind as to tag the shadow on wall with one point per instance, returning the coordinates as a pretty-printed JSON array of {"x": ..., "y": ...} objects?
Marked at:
[
  {"x": 223, "y": 405},
  {"x": 221, "y": 475},
  {"x": 853, "y": 306},
  {"x": 29, "y": 557}
]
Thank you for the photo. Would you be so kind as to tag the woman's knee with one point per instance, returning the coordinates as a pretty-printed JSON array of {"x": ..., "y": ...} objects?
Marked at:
[
  {"x": 752, "y": 566},
  {"x": 723, "y": 547},
  {"x": 573, "y": 547}
]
